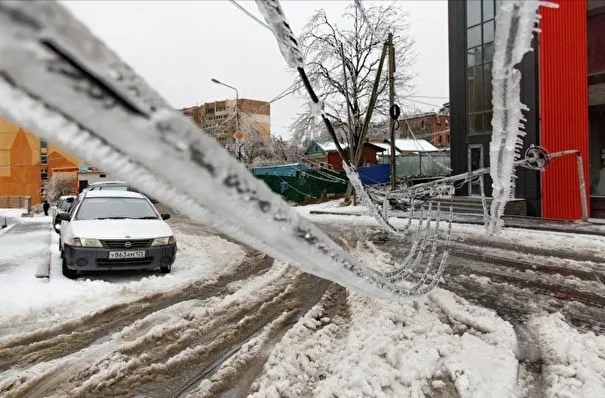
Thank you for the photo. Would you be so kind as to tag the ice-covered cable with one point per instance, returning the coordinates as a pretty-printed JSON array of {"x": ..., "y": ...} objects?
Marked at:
[
  {"x": 274, "y": 17},
  {"x": 515, "y": 24}
]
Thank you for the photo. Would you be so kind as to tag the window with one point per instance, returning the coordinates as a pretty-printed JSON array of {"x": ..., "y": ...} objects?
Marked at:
[
  {"x": 480, "y": 52},
  {"x": 43, "y": 144},
  {"x": 115, "y": 208},
  {"x": 596, "y": 43}
]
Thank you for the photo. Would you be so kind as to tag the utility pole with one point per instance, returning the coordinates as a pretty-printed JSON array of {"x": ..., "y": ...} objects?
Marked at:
[
  {"x": 368, "y": 117},
  {"x": 391, "y": 103}
]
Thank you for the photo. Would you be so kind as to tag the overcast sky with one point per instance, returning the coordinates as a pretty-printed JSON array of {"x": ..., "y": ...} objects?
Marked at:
[{"x": 178, "y": 46}]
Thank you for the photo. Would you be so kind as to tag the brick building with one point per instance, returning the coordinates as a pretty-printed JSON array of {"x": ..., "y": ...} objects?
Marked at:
[
  {"x": 218, "y": 118},
  {"x": 27, "y": 162},
  {"x": 431, "y": 126}
]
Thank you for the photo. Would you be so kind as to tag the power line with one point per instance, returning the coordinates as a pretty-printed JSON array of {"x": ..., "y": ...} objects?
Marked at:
[
  {"x": 422, "y": 102},
  {"x": 248, "y": 13},
  {"x": 426, "y": 96}
]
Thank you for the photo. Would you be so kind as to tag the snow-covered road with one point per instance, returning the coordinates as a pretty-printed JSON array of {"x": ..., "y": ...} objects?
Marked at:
[{"x": 226, "y": 322}]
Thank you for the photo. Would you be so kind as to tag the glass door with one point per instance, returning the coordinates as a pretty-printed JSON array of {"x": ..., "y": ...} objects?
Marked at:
[{"x": 475, "y": 162}]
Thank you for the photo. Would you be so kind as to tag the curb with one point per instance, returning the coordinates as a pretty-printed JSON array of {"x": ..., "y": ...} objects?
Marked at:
[
  {"x": 43, "y": 270},
  {"x": 5, "y": 230}
]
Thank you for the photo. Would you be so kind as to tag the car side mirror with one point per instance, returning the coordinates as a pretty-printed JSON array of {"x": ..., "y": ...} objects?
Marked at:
[
  {"x": 165, "y": 216},
  {"x": 62, "y": 217}
]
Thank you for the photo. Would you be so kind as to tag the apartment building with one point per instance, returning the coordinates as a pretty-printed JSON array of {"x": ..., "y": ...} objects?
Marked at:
[{"x": 219, "y": 118}]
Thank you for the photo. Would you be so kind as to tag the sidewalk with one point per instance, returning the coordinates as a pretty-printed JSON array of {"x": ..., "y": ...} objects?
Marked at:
[
  {"x": 25, "y": 244},
  {"x": 540, "y": 224}
]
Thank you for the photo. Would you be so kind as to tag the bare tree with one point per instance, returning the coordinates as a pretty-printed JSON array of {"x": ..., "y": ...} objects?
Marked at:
[
  {"x": 256, "y": 146},
  {"x": 58, "y": 186},
  {"x": 285, "y": 151},
  {"x": 362, "y": 42}
]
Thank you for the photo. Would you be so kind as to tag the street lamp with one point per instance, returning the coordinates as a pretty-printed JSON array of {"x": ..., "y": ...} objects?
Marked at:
[{"x": 213, "y": 80}]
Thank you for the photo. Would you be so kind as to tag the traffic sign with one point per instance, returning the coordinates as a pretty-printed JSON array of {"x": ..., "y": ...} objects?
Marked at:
[{"x": 239, "y": 135}]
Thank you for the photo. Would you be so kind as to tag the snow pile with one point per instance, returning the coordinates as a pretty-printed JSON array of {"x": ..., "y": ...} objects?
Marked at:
[
  {"x": 573, "y": 362},
  {"x": 410, "y": 349}
]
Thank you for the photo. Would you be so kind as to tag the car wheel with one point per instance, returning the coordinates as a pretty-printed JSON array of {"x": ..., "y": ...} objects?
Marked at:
[
  {"x": 68, "y": 273},
  {"x": 165, "y": 270}
]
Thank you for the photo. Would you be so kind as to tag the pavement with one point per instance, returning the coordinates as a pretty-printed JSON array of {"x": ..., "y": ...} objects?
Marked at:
[{"x": 25, "y": 244}]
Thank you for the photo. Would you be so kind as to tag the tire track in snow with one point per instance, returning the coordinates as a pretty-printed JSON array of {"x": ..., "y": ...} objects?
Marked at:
[
  {"x": 69, "y": 337},
  {"x": 173, "y": 354}
]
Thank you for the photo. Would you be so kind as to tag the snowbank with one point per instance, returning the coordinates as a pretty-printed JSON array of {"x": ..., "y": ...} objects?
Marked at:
[
  {"x": 573, "y": 362},
  {"x": 440, "y": 342}
]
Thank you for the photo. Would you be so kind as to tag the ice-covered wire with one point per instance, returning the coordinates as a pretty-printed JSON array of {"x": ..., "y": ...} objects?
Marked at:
[
  {"x": 248, "y": 13},
  {"x": 515, "y": 25}
]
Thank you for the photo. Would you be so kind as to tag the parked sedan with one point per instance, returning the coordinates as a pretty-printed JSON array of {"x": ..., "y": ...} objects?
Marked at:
[
  {"x": 110, "y": 229},
  {"x": 62, "y": 207}
]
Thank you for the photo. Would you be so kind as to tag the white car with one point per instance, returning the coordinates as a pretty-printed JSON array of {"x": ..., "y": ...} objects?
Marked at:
[{"x": 109, "y": 230}]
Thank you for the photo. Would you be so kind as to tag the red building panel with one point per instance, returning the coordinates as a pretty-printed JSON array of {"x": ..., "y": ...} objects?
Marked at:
[{"x": 563, "y": 104}]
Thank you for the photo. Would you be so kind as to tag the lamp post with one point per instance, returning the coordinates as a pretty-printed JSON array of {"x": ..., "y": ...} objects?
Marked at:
[{"x": 213, "y": 80}]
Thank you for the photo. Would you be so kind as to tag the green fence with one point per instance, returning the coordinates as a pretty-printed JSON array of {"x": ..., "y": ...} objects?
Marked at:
[{"x": 307, "y": 186}]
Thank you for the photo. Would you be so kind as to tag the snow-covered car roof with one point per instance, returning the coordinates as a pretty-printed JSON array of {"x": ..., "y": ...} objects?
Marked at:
[
  {"x": 95, "y": 184},
  {"x": 114, "y": 194}
]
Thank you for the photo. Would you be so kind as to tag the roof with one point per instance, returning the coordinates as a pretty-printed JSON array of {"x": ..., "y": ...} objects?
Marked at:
[
  {"x": 408, "y": 145},
  {"x": 114, "y": 194},
  {"x": 331, "y": 146}
]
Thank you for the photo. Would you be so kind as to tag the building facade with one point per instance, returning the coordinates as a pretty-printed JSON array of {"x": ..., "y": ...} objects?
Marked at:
[
  {"x": 219, "y": 118},
  {"x": 563, "y": 85},
  {"x": 431, "y": 126},
  {"x": 27, "y": 162}
]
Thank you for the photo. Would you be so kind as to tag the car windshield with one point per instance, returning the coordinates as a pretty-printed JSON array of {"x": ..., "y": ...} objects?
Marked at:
[
  {"x": 64, "y": 205},
  {"x": 116, "y": 208}
]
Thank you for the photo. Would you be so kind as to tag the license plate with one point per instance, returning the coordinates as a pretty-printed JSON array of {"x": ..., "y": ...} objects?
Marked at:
[{"x": 127, "y": 254}]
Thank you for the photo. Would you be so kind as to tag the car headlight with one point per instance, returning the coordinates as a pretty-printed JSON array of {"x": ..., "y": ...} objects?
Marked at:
[
  {"x": 166, "y": 240},
  {"x": 91, "y": 243}
]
